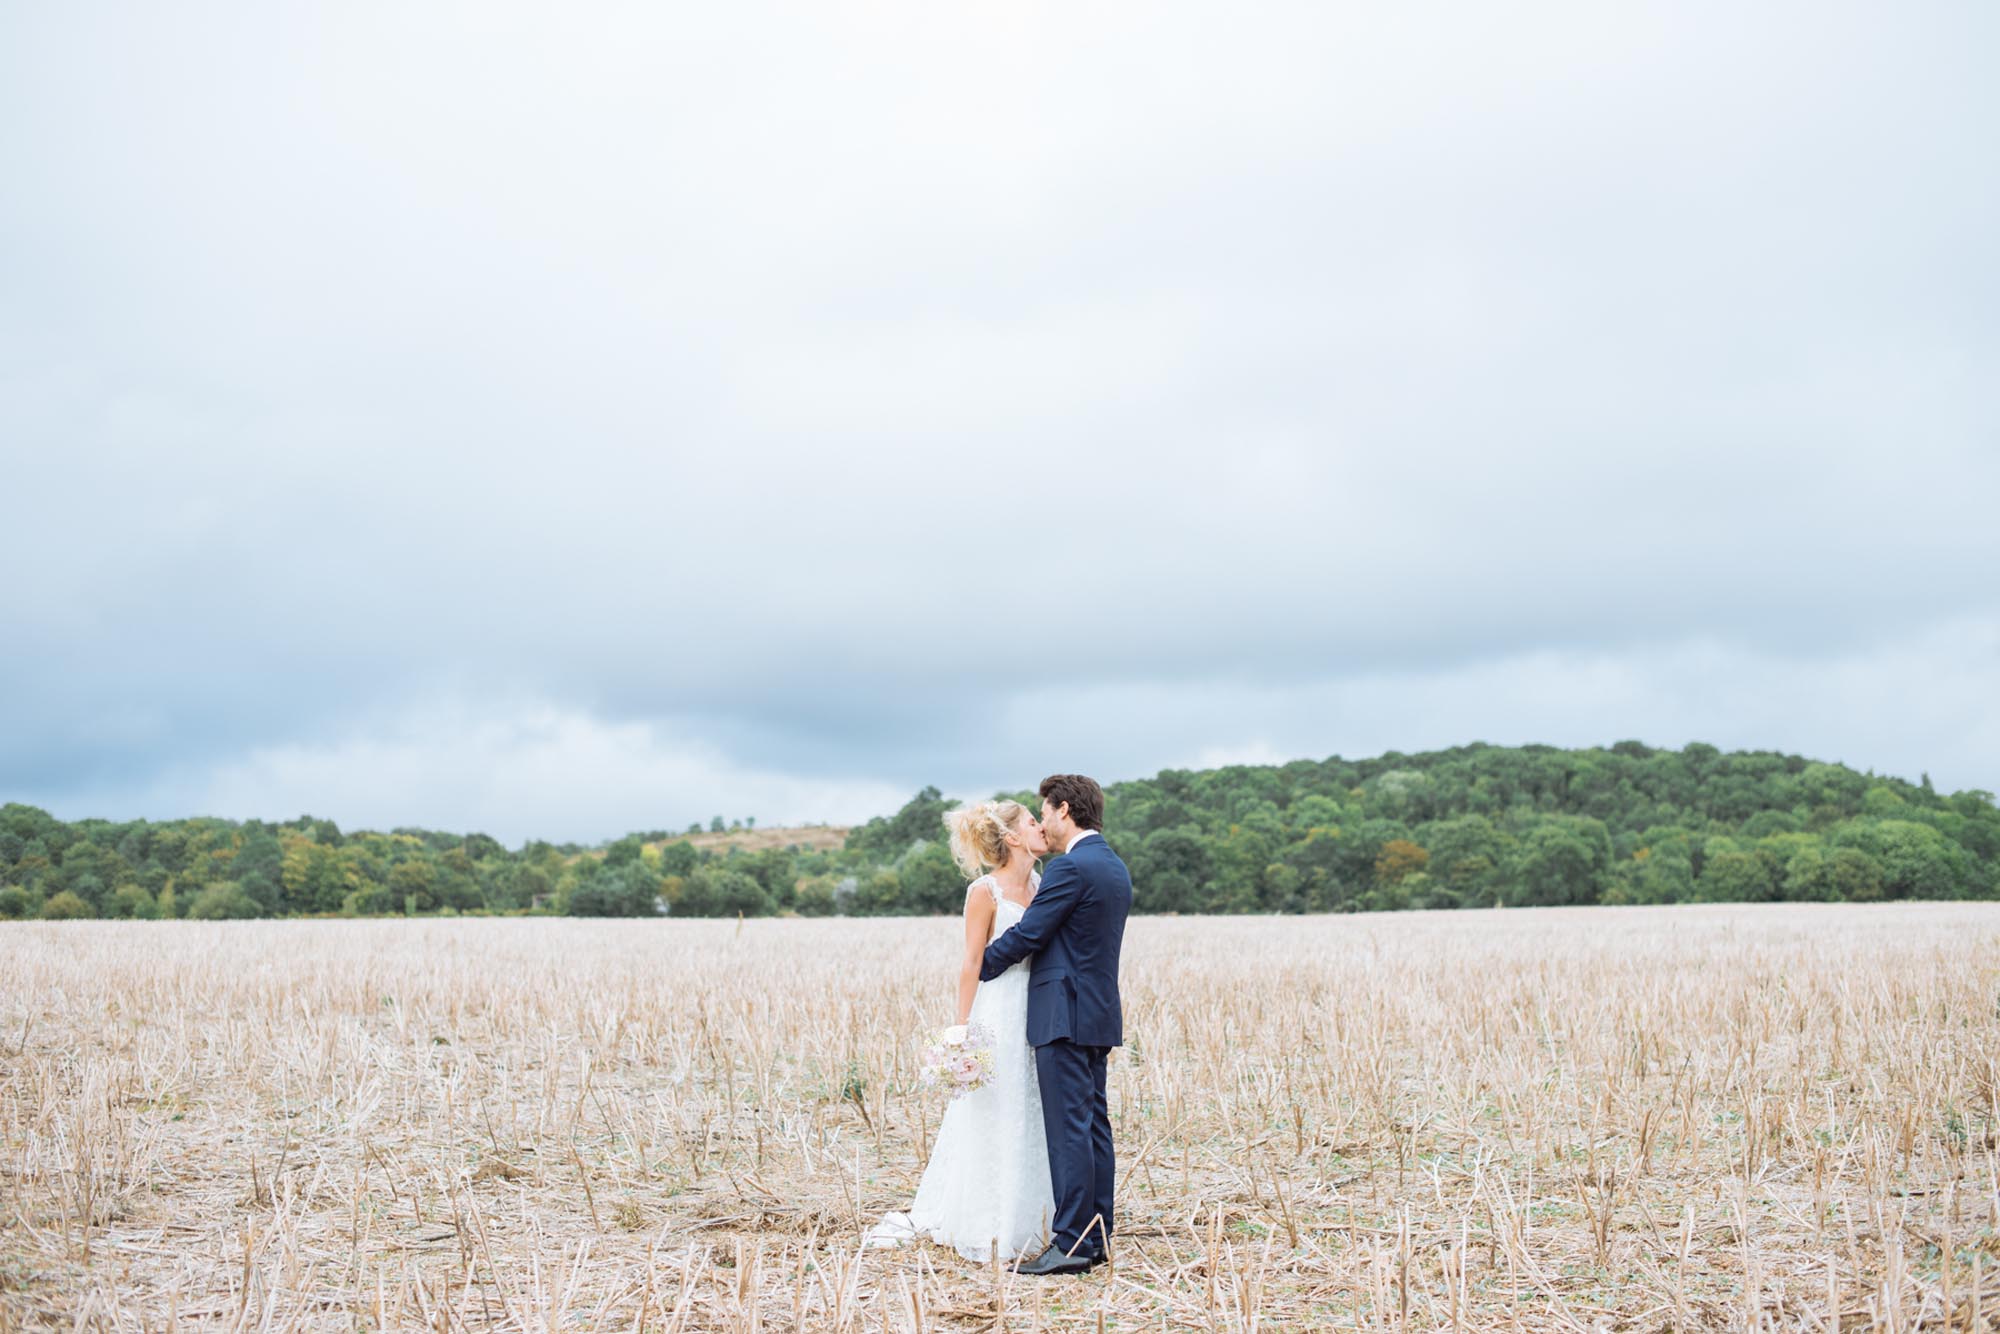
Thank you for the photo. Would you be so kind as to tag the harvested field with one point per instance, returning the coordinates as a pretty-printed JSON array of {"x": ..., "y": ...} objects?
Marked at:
[{"x": 1637, "y": 1119}]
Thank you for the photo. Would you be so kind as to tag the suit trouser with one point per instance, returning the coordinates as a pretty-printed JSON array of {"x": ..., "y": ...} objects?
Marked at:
[{"x": 1077, "y": 1123}]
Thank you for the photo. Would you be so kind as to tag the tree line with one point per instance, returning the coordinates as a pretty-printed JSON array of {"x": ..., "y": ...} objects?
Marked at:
[{"x": 1475, "y": 826}]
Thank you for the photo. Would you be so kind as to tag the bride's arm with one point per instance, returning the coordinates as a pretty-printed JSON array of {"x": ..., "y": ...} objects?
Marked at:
[{"x": 979, "y": 910}]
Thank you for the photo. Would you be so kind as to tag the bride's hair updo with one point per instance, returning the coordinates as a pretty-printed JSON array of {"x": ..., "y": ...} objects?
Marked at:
[{"x": 979, "y": 833}]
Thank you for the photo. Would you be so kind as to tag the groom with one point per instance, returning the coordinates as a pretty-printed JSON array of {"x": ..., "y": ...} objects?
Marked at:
[{"x": 1073, "y": 927}]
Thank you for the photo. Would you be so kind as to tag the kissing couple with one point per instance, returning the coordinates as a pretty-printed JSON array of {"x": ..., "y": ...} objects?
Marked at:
[{"x": 1023, "y": 1165}]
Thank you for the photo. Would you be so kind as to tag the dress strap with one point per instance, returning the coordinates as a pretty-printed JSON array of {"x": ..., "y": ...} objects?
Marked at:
[{"x": 992, "y": 887}]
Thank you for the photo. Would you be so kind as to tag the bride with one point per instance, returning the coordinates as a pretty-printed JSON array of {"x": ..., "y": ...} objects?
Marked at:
[{"x": 987, "y": 1181}]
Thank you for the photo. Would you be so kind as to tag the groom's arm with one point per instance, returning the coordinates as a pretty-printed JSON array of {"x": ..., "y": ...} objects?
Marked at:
[{"x": 1054, "y": 902}]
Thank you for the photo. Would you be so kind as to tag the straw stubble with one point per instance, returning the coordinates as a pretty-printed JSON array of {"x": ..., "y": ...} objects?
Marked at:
[{"x": 1671, "y": 1119}]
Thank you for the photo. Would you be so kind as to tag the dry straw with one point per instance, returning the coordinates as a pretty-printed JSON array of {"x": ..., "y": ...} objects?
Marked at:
[{"x": 1646, "y": 1119}]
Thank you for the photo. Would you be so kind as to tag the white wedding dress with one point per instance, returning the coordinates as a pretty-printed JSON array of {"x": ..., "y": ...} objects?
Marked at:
[{"x": 988, "y": 1177}]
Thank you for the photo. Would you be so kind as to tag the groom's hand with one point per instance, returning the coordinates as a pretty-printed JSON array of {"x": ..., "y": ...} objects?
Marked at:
[{"x": 988, "y": 969}]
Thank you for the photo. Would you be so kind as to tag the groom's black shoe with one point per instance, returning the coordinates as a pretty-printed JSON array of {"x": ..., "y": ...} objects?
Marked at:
[{"x": 1053, "y": 1261}]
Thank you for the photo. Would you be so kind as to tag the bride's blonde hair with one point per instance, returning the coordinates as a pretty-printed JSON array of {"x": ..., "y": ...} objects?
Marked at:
[{"x": 979, "y": 833}]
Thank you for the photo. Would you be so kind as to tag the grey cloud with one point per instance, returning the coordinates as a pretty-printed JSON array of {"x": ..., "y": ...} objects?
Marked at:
[{"x": 819, "y": 398}]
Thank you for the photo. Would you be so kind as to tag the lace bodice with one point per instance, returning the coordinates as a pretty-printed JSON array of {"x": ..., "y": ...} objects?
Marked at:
[{"x": 1007, "y": 913}]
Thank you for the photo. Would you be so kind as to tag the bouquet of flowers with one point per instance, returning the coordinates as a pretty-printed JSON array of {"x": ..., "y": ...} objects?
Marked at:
[{"x": 959, "y": 1058}]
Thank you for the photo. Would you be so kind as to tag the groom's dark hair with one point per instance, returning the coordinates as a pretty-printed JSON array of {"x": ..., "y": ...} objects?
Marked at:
[{"x": 1083, "y": 796}]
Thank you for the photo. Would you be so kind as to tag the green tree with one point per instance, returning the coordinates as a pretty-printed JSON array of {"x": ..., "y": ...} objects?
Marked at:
[
  {"x": 774, "y": 870},
  {"x": 1399, "y": 859},
  {"x": 928, "y": 880},
  {"x": 1661, "y": 872},
  {"x": 258, "y": 869},
  {"x": 223, "y": 901},
  {"x": 1173, "y": 865},
  {"x": 1238, "y": 862},
  {"x": 717, "y": 891},
  {"x": 64, "y": 906},
  {"x": 1321, "y": 859},
  {"x": 630, "y": 890},
  {"x": 1734, "y": 876},
  {"x": 816, "y": 896},
  {"x": 1917, "y": 861},
  {"x": 1560, "y": 861},
  {"x": 1809, "y": 876},
  {"x": 371, "y": 901},
  {"x": 1466, "y": 856},
  {"x": 920, "y": 820},
  {"x": 133, "y": 901},
  {"x": 876, "y": 893},
  {"x": 411, "y": 883},
  {"x": 1855, "y": 876}
]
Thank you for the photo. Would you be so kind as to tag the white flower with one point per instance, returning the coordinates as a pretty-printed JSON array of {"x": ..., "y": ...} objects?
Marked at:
[{"x": 954, "y": 1035}]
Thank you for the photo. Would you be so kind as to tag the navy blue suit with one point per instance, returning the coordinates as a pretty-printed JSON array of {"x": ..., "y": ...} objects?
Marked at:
[{"x": 1074, "y": 928}]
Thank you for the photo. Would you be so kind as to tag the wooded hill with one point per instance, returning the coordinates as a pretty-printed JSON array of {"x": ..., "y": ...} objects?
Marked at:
[{"x": 1474, "y": 826}]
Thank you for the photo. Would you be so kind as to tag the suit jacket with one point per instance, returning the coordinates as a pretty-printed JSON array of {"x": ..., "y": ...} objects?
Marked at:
[{"x": 1073, "y": 928}]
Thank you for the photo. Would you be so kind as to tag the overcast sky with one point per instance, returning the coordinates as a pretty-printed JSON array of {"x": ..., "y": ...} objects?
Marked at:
[{"x": 558, "y": 420}]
